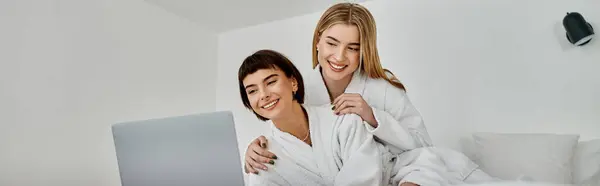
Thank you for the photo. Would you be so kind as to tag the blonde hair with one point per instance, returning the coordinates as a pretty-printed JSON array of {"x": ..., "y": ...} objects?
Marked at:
[{"x": 354, "y": 14}]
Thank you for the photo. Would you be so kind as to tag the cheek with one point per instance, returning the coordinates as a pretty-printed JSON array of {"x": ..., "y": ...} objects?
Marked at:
[
  {"x": 253, "y": 101},
  {"x": 324, "y": 48},
  {"x": 321, "y": 50},
  {"x": 283, "y": 89},
  {"x": 354, "y": 59},
  {"x": 324, "y": 52},
  {"x": 322, "y": 56}
]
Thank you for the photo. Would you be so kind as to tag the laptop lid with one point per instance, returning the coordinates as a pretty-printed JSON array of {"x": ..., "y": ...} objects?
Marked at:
[{"x": 191, "y": 150}]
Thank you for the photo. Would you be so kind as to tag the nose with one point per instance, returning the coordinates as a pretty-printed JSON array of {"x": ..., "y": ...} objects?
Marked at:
[
  {"x": 340, "y": 54},
  {"x": 264, "y": 95}
]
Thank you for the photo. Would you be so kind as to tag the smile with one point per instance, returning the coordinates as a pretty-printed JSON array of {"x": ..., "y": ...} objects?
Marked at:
[
  {"x": 337, "y": 68},
  {"x": 271, "y": 104}
]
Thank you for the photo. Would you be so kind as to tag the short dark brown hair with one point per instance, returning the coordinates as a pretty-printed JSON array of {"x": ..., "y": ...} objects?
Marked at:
[{"x": 268, "y": 59}]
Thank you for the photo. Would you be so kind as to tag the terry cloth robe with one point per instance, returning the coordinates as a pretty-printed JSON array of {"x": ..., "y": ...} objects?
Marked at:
[
  {"x": 358, "y": 164},
  {"x": 344, "y": 152},
  {"x": 400, "y": 125},
  {"x": 335, "y": 146}
]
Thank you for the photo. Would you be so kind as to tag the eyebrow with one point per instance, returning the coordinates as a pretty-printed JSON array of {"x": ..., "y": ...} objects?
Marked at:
[
  {"x": 268, "y": 77},
  {"x": 336, "y": 40}
]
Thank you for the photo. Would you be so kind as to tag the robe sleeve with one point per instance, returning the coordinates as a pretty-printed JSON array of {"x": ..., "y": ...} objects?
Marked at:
[
  {"x": 400, "y": 125},
  {"x": 357, "y": 151},
  {"x": 267, "y": 178}
]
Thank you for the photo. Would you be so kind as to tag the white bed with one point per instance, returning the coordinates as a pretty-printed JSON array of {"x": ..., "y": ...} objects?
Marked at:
[
  {"x": 516, "y": 183},
  {"x": 543, "y": 159}
]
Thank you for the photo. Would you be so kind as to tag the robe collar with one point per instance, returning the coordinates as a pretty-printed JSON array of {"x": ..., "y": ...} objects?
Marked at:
[{"x": 317, "y": 93}]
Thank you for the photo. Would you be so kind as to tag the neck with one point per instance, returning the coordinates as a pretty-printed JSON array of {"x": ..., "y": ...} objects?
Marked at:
[
  {"x": 336, "y": 88},
  {"x": 294, "y": 122}
]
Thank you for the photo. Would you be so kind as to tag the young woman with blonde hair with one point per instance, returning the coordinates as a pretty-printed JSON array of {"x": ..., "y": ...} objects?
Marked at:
[{"x": 348, "y": 75}]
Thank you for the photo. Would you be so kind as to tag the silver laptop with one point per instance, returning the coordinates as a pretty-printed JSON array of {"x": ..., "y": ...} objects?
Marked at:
[{"x": 192, "y": 150}]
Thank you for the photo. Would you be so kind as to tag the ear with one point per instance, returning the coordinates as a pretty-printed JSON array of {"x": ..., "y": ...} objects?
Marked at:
[
  {"x": 318, "y": 40},
  {"x": 317, "y": 44},
  {"x": 294, "y": 84}
]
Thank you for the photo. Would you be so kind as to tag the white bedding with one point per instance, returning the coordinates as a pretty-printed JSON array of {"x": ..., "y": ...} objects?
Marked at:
[{"x": 515, "y": 183}]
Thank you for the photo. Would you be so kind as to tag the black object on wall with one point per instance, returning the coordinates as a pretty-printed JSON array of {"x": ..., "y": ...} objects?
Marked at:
[{"x": 579, "y": 32}]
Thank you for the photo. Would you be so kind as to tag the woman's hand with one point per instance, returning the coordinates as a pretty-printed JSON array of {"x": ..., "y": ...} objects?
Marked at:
[
  {"x": 355, "y": 104},
  {"x": 409, "y": 184},
  {"x": 257, "y": 154}
]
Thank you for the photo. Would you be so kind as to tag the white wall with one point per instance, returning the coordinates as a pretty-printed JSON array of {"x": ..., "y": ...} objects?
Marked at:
[
  {"x": 71, "y": 68},
  {"x": 469, "y": 65}
]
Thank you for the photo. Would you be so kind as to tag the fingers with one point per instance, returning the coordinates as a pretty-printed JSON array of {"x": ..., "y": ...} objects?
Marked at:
[
  {"x": 257, "y": 156},
  {"x": 252, "y": 148},
  {"x": 252, "y": 155},
  {"x": 260, "y": 158},
  {"x": 254, "y": 161},
  {"x": 249, "y": 169},
  {"x": 263, "y": 153},
  {"x": 262, "y": 141},
  {"x": 349, "y": 100},
  {"x": 267, "y": 154},
  {"x": 344, "y": 104},
  {"x": 348, "y": 110},
  {"x": 343, "y": 96},
  {"x": 342, "y": 100},
  {"x": 254, "y": 143}
]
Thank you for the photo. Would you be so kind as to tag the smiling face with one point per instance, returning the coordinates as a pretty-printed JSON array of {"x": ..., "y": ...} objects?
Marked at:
[
  {"x": 270, "y": 92},
  {"x": 339, "y": 51},
  {"x": 270, "y": 84}
]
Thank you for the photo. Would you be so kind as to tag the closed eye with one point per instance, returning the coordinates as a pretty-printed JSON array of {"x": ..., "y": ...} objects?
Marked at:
[{"x": 271, "y": 82}]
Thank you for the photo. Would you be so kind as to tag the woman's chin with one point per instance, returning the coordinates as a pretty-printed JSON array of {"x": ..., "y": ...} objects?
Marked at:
[
  {"x": 336, "y": 76},
  {"x": 272, "y": 114}
]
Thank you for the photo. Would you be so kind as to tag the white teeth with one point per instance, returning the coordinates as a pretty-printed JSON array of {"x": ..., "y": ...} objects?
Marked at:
[
  {"x": 336, "y": 66},
  {"x": 270, "y": 104}
]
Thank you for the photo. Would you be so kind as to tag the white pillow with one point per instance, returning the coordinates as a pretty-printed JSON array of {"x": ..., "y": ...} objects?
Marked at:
[
  {"x": 586, "y": 161},
  {"x": 541, "y": 157}
]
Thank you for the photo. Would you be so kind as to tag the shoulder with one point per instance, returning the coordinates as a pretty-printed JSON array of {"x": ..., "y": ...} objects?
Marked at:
[
  {"x": 318, "y": 111},
  {"x": 382, "y": 88},
  {"x": 394, "y": 92},
  {"x": 326, "y": 110},
  {"x": 316, "y": 108},
  {"x": 313, "y": 77}
]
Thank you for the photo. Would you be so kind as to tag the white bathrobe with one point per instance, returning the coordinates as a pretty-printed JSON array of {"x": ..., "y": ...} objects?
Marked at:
[
  {"x": 400, "y": 127},
  {"x": 335, "y": 144},
  {"x": 344, "y": 152}
]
